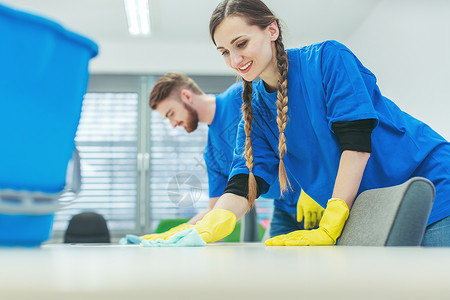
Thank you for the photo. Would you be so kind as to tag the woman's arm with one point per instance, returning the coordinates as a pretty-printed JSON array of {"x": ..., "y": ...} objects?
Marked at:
[
  {"x": 348, "y": 179},
  {"x": 350, "y": 172},
  {"x": 220, "y": 221},
  {"x": 200, "y": 215},
  {"x": 234, "y": 203}
]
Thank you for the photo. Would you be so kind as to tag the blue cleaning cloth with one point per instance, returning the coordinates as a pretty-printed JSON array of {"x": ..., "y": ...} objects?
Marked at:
[
  {"x": 186, "y": 238},
  {"x": 130, "y": 239}
]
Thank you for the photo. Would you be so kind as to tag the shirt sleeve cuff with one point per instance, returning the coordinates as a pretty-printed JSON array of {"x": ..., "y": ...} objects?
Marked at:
[{"x": 238, "y": 185}]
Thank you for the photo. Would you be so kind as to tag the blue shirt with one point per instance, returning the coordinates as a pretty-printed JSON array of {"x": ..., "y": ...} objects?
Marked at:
[
  {"x": 327, "y": 83},
  {"x": 218, "y": 154}
]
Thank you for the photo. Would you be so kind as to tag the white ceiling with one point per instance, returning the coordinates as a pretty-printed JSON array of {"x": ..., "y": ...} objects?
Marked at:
[{"x": 180, "y": 37}]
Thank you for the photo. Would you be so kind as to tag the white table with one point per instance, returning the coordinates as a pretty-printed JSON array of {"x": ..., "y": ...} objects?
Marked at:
[{"x": 223, "y": 271}]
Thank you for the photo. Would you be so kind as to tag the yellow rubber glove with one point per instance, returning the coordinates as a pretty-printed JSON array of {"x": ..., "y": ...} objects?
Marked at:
[
  {"x": 216, "y": 224},
  {"x": 329, "y": 230},
  {"x": 310, "y": 210},
  {"x": 166, "y": 235}
]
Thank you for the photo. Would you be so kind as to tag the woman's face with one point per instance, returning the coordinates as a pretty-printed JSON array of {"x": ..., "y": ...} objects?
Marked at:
[{"x": 248, "y": 49}]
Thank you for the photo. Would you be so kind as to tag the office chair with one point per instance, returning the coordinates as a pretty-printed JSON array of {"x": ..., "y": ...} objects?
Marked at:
[
  {"x": 391, "y": 216},
  {"x": 87, "y": 227}
]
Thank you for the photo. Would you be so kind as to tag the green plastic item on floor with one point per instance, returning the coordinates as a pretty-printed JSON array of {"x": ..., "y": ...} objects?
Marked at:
[
  {"x": 167, "y": 224},
  {"x": 234, "y": 237}
]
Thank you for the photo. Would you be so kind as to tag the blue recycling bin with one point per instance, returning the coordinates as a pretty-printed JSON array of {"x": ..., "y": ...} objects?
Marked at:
[{"x": 43, "y": 78}]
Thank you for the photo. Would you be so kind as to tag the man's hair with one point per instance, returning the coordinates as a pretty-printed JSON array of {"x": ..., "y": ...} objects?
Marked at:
[{"x": 169, "y": 83}]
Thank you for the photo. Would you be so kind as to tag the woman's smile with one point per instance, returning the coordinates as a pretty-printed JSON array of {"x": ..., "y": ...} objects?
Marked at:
[{"x": 245, "y": 68}]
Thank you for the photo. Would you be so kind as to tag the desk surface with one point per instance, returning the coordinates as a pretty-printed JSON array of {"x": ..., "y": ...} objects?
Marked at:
[{"x": 224, "y": 271}]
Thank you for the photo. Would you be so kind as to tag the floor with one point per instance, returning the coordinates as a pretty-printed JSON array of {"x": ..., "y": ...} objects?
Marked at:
[{"x": 224, "y": 271}]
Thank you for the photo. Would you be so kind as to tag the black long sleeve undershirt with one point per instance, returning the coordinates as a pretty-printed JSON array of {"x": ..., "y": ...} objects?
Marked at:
[
  {"x": 355, "y": 135},
  {"x": 238, "y": 185},
  {"x": 352, "y": 135}
]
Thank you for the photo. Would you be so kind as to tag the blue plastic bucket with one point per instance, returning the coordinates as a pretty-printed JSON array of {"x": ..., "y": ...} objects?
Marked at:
[
  {"x": 43, "y": 78},
  {"x": 25, "y": 230}
]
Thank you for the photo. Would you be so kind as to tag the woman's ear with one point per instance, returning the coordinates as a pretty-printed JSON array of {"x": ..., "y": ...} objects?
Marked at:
[
  {"x": 274, "y": 31},
  {"x": 186, "y": 96}
]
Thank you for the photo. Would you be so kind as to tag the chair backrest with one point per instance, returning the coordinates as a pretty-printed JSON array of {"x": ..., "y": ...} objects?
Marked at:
[
  {"x": 87, "y": 227},
  {"x": 392, "y": 216}
]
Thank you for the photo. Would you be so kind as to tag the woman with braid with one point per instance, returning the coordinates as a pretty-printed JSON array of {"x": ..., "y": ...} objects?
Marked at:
[
  {"x": 178, "y": 98},
  {"x": 318, "y": 115}
]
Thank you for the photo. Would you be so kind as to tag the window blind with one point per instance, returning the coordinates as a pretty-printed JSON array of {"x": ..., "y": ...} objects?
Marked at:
[
  {"x": 179, "y": 181},
  {"x": 178, "y": 177},
  {"x": 107, "y": 142}
]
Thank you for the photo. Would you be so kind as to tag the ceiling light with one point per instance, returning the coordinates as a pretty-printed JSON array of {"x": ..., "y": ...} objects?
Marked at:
[{"x": 138, "y": 17}]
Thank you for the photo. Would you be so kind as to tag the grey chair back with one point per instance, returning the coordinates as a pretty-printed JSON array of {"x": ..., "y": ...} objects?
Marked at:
[{"x": 392, "y": 216}]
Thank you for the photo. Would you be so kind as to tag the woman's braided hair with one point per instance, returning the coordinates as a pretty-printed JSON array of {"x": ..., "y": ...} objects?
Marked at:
[{"x": 257, "y": 13}]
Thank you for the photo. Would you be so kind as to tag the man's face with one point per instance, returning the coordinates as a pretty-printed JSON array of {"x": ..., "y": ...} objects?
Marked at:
[{"x": 179, "y": 113}]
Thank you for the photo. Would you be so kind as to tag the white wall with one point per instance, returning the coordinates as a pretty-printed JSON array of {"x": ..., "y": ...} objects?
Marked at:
[
  {"x": 158, "y": 58},
  {"x": 407, "y": 45}
]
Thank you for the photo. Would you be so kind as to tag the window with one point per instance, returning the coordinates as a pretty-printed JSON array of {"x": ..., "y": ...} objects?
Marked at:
[
  {"x": 106, "y": 140},
  {"x": 116, "y": 135},
  {"x": 178, "y": 178}
]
